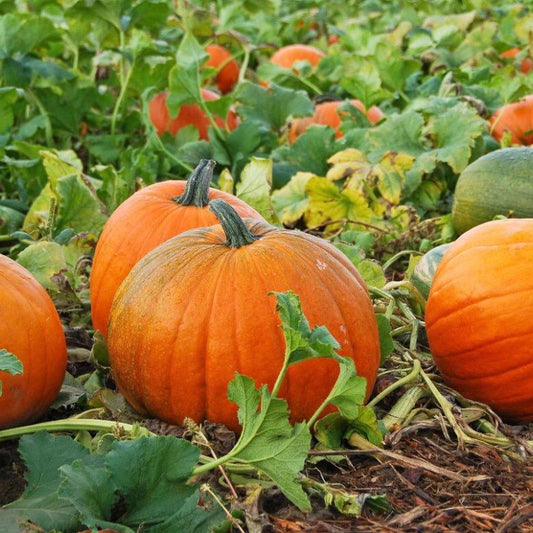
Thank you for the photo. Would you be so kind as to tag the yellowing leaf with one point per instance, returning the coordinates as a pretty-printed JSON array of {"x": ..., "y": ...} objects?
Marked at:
[
  {"x": 225, "y": 181},
  {"x": 391, "y": 179},
  {"x": 291, "y": 201},
  {"x": 349, "y": 169},
  {"x": 329, "y": 204},
  {"x": 254, "y": 186},
  {"x": 347, "y": 156}
]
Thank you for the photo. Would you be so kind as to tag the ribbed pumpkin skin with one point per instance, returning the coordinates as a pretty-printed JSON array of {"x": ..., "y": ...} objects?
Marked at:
[
  {"x": 478, "y": 316},
  {"x": 498, "y": 183},
  {"x": 194, "y": 311},
  {"x": 146, "y": 219},
  {"x": 30, "y": 328}
]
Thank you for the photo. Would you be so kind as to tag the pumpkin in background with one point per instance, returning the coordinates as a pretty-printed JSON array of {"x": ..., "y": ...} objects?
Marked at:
[
  {"x": 228, "y": 72},
  {"x": 516, "y": 119},
  {"x": 146, "y": 219},
  {"x": 287, "y": 56},
  {"x": 198, "y": 308},
  {"x": 526, "y": 65},
  {"x": 189, "y": 114},
  {"x": 478, "y": 316},
  {"x": 30, "y": 329},
  {"x": 327, "y": 114},
  {"x": 425, "y": 269},
  {"x": 498, "y": 183}
]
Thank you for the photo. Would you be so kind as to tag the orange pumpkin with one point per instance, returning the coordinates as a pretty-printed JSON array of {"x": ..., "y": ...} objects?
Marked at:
[
  {"x": 30, "y": 329},
  {"x": 526, "y": 65},
  {"x": 189, "y": 114},
  {"x": 478, "y": 316},
  {"x": 146, "y": 219},
  {"x": 516, "y": 119},
  {"x": 287, "y": 56},
  {"x": 198, "y": 308},
  {"x": 228, "y": 68},
  {"x": 327, "y": 114}
]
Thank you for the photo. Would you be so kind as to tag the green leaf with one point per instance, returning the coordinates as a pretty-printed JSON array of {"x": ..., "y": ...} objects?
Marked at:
[
  {"x": 301, "y": 342},
  {"x": 88, "y": 486},
  {"x": 44, "y": 259},
  {"x": 20, "y": 34},
  {"x": 367, "y": 425},
  {"x": 272, "y": 106},
  {"x": 456, "y": 133},
  {"x": 8, "y": 96},
  {"x": 268, "y": 442},
  {"x": 10, "y": 364},
  {"x": 255, "y": 184},
  {"x": 291, "y": 200},
  {"x": 372, "y": 273},
  {"x": 152, "y": 474},
  {"x": 185, "y": 78},
  {"x": 399, "y": 133},
  {"x": 10, "y": 220},
  {"x": 40, "y": 503},
  {"x": 385, "y": 337},
  {"x": 311, "y": 150},
  {"x": 348, "y": 393},
  {"x": 362, "y": 81}
]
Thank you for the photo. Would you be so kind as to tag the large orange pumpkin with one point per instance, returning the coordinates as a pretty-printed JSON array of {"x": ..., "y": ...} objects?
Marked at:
[
  {"x": 516, "y": 119},
  {"x": 189, "y": 114},
  {"x": 287, "y": 56},
  {"x": 228, "y": 69},
  {"x": 146, "y": 219},
  {"x": 327, "y": 114},
  {"x": 198, "y": 308},
  {"x": 30, "y": 329},
  {"x": 478, "y": 316}
]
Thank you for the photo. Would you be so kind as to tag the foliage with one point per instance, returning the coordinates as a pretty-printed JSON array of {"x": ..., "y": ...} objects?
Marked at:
[{"x": 76, "y": 140}]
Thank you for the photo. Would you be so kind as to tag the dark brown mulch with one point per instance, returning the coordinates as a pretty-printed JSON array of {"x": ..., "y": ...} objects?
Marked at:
[
  {"x": 424, "y": 501},
  {"x": 420, "y": 500}
]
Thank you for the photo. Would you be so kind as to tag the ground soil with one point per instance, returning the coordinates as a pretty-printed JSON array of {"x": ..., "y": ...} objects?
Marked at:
[
  {"x": 430, "y": 482},
  {"x": 419, "y": 500}
]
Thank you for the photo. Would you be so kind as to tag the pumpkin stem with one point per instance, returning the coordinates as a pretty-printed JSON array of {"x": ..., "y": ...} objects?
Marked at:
[
  {"x": 237, "y": 234},
  {"x": 197, "y": 188}
]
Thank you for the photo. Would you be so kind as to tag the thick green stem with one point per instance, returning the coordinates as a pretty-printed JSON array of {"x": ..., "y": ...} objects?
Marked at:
[
  {"x": 197, "y": 188},
  {"x": 397, "y": 384},
  {"x": 124, "y": 82},
  {"x": 237, "y": 234},
  {"x": 400, "y": 411},
  {"x": 78, "y": 424}
]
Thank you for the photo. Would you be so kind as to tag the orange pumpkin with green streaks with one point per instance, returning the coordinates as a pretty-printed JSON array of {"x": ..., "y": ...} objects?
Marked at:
[
  {"x": 198, "y": 308},
  {"x": 146, "y": 219},
  {"x": 30, "y": 329},
  {"x": 478, "y": 316}
]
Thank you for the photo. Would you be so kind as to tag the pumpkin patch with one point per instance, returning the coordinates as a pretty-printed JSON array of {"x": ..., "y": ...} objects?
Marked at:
[{"x": 278, "y": 261}]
